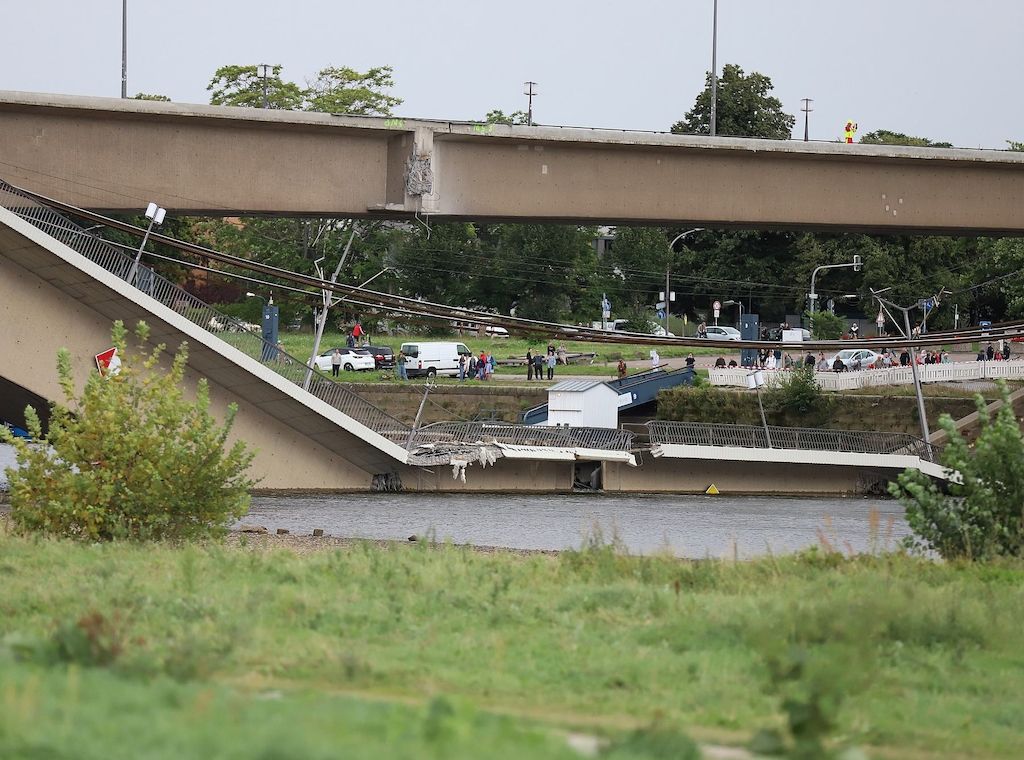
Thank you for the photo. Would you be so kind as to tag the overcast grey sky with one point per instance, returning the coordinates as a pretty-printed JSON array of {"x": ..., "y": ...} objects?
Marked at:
[{"x": 938, "y": 68}]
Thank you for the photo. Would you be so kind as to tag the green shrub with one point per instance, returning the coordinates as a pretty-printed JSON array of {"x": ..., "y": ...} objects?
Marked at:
[
  {"x": 796, "y": 395},
  {"x": 826, "y": 326},
  {"x": 130, "y": 458},
  {"x": 981, "y": 516}
]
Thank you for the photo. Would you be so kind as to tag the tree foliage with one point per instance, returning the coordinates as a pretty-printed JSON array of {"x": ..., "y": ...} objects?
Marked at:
[
  {"x": 982, "y": 515},
  {"x": 130, "y": 457},
  {"x": 500, "y": 117},
  {"x": 334, "y": 89},
  {"x": 888, "y": 137},
  {"x": 745, "y": 108}
]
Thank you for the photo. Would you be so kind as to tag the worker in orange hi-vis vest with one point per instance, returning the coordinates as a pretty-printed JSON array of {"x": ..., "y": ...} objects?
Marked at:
[{"x": 851, "y": 130}]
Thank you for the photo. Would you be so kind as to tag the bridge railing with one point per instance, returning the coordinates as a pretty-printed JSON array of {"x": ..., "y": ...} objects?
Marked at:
[
  {"x": 608, "y": 439},
  {"x": 115, "y": 261},
  {"x": 814, "y": 439},
  {"x": 866, "y": 378}
]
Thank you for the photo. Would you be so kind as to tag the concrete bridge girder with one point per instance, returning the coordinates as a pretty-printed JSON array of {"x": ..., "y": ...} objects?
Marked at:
[{"x": 116, "y": 155}]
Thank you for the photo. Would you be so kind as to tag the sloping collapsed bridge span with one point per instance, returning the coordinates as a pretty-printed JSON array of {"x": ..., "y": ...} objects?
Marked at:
[
  {"x": 393, "y": 441},
  {"x": 326, "y": 437},
  {"x": 404, "y": 305}
]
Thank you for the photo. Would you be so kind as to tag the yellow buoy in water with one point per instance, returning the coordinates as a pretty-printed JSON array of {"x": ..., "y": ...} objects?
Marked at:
[{"x": 712, "y": 490}]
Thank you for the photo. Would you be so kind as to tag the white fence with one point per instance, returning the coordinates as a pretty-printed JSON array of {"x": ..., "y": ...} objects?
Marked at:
[{"x": 866, "y": 378}]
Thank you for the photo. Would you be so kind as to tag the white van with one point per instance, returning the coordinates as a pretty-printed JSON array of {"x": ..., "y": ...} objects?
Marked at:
[{"x": 433, "y": 358}]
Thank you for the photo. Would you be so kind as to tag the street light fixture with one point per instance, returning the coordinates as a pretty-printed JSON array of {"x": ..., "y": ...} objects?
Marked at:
[
  {"x": 731, "y": 302},
  {"x": 155, "y": 214},
  {"x": 668, "y": 269},
  {"x": 264, "y": 70},
  {"x": 857, "y": 264},
  {"x": 714, "y": 72}
]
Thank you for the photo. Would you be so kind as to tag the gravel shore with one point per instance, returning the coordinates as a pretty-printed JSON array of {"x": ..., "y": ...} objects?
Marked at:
[{"x": 303, "y": 544}]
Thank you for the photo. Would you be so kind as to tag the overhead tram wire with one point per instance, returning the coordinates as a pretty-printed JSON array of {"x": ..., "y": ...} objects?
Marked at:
[{"x": 570, "y": 332}]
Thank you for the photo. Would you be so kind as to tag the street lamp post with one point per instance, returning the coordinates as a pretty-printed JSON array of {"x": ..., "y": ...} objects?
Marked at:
[
  {"x": 124, "y": 49},
  {"x": 730, "y": 302},
  {"x": 155, "y": 214},
  {"x": 813, "y": 296},
  {"x": 668, "y": 269},
  {"x": 714, "y": 71},
  {"x": 263, "y": 70}
]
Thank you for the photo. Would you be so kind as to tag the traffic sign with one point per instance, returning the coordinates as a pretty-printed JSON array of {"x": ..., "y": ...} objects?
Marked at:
[
  {"x": 108, "y": 362},
  {"x": 717, "y": 305}
]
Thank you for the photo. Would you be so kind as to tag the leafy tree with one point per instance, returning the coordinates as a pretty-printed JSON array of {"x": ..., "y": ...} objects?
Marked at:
[
  {"x": 745, "y": 108},
  {"x": 500, "y": 117},
  {"x": 1016, "y": 146},
  {"x": 888, "y": 137},
  {"x": 335, "y": 89},
  {"x": 131, "y": 457},
  {"x": 639, "y": 257},
  {"x": 981, "y": 516},
  {"x": 148, "y": 96},
  {"x": 235, "y": 85},
  {"x": 340, "y": 89}
]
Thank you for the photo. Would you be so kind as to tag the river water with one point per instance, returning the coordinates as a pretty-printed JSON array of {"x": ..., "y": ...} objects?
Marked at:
[{"x": 688, "y": 526}]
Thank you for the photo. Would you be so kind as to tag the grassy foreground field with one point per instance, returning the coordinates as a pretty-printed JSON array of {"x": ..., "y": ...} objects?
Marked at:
[{"x": 396, "y": 651}]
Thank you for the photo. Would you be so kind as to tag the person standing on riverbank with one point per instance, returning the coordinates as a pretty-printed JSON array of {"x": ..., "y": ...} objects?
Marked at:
[
  {"x": 400, "y": 366},
  {"x": 552, "y": 361},
  {"x": 621, "y": 368},
  {"x": 529, "y": 364},
  {"x": 538, "y": 366},
  {"x": 335, "y": 362}
]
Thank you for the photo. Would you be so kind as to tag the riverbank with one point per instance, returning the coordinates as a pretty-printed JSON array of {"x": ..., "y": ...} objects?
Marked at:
[{"x": 363, "y": 649}]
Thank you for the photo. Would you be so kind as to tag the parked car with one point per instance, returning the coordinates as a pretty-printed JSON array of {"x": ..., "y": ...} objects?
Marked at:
[
  {"x": 432, "y": 358},
  {"x": 493, "y": 331},
  {"x": 720, "y": 332},
  {"x": 852, "y": 356},
  {"x": 351, "y": 359},
  {"x": 383, "y": 356}
]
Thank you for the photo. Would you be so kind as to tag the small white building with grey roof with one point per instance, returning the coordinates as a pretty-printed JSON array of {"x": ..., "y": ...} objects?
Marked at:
[{"x": 583, "y": 403}]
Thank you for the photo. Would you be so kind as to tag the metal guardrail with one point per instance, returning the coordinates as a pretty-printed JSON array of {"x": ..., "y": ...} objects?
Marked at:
[
  {"x": 608, "y": 439},
  {"x": 115, "y": 261},
  {"x": 815, "y": 439}
]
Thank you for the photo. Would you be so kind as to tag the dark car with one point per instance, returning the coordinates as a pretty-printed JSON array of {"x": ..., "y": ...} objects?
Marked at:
[{"x": 383, "y": 356}]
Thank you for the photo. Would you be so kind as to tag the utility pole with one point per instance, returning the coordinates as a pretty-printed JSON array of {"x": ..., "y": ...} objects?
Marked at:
[
  {"x": 668, "y": 295},
  {"x": 124, "y": 49},
  {"x": 714, "y": 72},
  {"x": 813, "y": 296},
  {"x": 263, "y": 70},
  {"x": 529, "y": 92},
  {"x": 807, "y": 110}
]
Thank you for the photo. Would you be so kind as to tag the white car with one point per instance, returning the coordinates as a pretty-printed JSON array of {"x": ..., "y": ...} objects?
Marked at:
[
  {"x": 351, "y": 359},
  {"x": 493, "y": 331},
  {"x": 852, "y": 357},
  {"x": 718, "y": 332}
]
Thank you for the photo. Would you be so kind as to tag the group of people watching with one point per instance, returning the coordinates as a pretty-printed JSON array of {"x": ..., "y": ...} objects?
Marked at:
[{"x": 537, "y": 362}]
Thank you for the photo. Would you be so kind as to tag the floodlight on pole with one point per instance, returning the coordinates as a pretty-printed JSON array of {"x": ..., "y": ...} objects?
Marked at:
[{"x": 155, "y": 214}]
